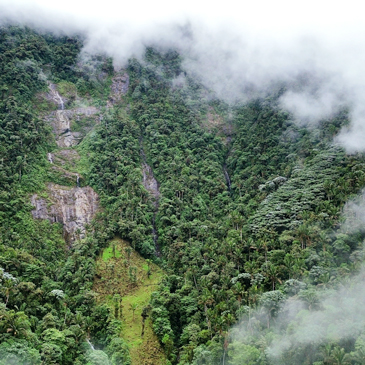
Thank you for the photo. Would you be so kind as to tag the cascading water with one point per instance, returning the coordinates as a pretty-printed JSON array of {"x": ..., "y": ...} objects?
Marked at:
[
  {"x": 78, "y": 181},
  {"x": 90, "y": 344},
  {"x": 61, "y": 101},
  {"x": 56, "y": 96},
  {"x": 61, "y": 123},
  {"x": 50, "y": 159}
]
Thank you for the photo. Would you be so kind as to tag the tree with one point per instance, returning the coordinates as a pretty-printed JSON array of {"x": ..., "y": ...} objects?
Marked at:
[
  {"x": 339, "y": 357},
  {"x": 272, "y": 302},
  {"x": 8, "y": 284},
  {"x": 18, "y": 353},
  {"x": 240, "y": 353},
  {"x": 118, "y": 352},
  {"x": 15, "y": 323},
  {"x": 272, "y": 273},
  {"x": 133, "y": 307},
  {"x": 117, "y": 301},
  {"x": 51, "y": 353},
  {"x": 98, "y": 357}
]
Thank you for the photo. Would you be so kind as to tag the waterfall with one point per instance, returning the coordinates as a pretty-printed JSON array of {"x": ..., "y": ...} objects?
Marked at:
[
  {"x": 56, "y": 95},
  {"x": 50, "y": 159},
  {"x": 227, "y": 177},
  {"x": 90, "y": 344},
  {"x": 78, "y": 180},
  {"x": 61, "y": 101}
]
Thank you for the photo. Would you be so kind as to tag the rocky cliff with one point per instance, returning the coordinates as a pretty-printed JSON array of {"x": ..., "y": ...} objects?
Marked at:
[
  {"x": 70, "y": 125},
  {"x": 119, "y": 87},
  {"x": 74, "y": 208},
  {"x": 64, "y": 123}
]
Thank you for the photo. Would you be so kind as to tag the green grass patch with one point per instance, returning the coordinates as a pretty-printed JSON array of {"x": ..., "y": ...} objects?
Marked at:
[
  {"x": 127, "y": 275},
  {"x": 111, "y": 252}
]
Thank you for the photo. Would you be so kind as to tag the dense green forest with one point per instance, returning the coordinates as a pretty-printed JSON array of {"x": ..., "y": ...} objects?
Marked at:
[{"x": 245, "y": 217}]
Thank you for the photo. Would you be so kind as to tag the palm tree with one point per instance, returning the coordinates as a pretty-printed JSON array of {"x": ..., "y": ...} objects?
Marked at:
[
  {"x": 289, "y": 263},
  {"x": 358, "y": 356},
  {"x": 240, "y": 291},
  {"x": 310, "y": 297},
  {"x": 117, "y": 299},
  {"x": 133, "y": 307},
  {"x": 304, "y": 234},
  {"x": 339, "y": 357},
  {"x": 298, "y": 267},
  {"x": 207, "y": 299},
  {"x": 272, "y": 273},
  {"x": 9, "y": 283},
  {"x": 16, "y": 323},
  {"x": 326, "y": 353}
]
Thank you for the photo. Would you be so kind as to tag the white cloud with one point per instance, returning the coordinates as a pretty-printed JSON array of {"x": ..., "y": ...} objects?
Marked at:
[{"x": 235, "y": 47}]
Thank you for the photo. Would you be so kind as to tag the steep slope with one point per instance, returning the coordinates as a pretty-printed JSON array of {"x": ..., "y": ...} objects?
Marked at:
[
  {"x": 47, "y": 307},
  {"x": 126, "y": 281},
  {"x": 240, "y": 205},
  {"x": 73, "y": 207},
  {"x": 230, "y": 241}
]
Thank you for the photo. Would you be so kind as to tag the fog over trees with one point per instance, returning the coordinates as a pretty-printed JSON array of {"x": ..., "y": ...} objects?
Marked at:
[{"x": 181, "y": 186}]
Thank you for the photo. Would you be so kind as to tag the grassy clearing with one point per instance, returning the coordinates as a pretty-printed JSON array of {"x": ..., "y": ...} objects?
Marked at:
[
  {"x": 111, "y": 252},
  {"x": 120, "y": 270}
]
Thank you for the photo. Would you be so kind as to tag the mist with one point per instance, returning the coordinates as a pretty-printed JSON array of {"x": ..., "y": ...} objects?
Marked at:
[
  {"x": 239, "y": 50},
  {"x": 337, "y": 316},
  {"x": 312, "y": 317},
  {"x": 341, "y": 316},
  {"x": 242, "y": 50}
]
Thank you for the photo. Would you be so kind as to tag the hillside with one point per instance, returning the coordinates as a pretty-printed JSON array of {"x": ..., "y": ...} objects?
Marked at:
[
  {"x": 145, "y": 221},
  {"x": 126, "y": 281}
]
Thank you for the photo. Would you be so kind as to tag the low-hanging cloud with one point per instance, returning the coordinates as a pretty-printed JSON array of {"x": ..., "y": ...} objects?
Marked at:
[
  {"x": 339, "y": 316},
  {"x": 318, "y": 316},
  {"x": 354, "y": 214},
  {"x": 237, "y": 49}
]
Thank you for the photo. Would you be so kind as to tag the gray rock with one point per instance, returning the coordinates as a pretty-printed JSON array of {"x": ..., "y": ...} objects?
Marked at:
[{"x": 74, "y": 208}]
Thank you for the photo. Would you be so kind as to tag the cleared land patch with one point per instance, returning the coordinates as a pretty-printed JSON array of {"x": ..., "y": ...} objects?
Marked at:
[{"x": 121, "y": 271}]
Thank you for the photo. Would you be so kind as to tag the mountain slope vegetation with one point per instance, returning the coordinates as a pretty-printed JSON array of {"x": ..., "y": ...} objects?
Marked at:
[{"x": 243, "y": 215}]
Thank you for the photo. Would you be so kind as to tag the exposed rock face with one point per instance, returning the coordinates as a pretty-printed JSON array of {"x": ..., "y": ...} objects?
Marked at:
[
  {"x": 87, "y": 111},
  {"x": 120, "y": 84},
  {"x": 61, "y": 121},
  {"x": 71, "y": 177},
  {"x": 74, "y": 208},
  {"x": 62, "y": 130},
  {"x": 65, "y": 157},
  {"x": 71, "y": 125},
  {"x": 55, "y": 97},
  {"x": 150, "y": 183}
]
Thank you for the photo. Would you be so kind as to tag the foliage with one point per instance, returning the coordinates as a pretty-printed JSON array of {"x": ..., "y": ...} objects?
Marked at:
[
  {"x": 46, "y": 303},
  {"x": 247, "y": 215}
]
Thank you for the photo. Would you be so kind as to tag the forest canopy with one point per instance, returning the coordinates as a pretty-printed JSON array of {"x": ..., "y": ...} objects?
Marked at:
[{"x": 250, "y": 216}]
